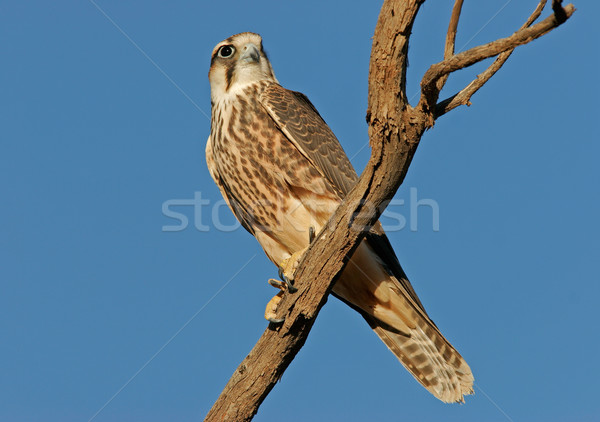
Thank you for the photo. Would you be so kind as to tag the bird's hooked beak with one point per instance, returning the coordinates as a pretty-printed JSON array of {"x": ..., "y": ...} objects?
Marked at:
[{"x": 250, "y": 53}]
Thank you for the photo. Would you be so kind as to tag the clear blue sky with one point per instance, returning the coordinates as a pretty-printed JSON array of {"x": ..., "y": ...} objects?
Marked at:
[{"x": 96, "y": 137}]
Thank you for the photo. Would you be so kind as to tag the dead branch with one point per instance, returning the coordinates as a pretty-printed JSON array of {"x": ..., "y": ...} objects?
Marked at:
[
  {"x": 429, "y": 92},
  {"x": 450, "y": 39},
  {"x": 464, "y": 96},
  {"x": 395, "y": 129}
]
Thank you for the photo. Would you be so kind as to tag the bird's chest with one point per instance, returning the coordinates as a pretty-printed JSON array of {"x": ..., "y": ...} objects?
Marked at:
[
  {"x": 256, "y": 162},
  {"x": 248, "y": 143},
  {"x": 271, "y": 186}
]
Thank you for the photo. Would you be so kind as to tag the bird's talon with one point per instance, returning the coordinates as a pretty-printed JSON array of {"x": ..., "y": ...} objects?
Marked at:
[
  {"x": 282, "y": 276},
  {"x": 275, "y": 320},
  {"x": 288, "y": 282},
  {"x": 311, "y": 234},
  {"x": 276, "y": 283}
]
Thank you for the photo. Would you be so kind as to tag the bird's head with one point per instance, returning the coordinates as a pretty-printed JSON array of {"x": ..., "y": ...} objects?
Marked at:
[{"x": 236, "y": 62}]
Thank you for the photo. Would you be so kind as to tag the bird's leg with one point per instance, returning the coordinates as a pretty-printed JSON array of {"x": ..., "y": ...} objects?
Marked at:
[
  {"x": 286, "y": 274},
  {"x": 289, "y": 265}
]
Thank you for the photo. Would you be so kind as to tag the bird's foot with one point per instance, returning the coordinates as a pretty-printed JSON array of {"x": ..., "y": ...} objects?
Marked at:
[
  {"x": 271, "y": 309},
  {"x": 287, "y": 283},
  {"x": 286, "y": 273},
  {"x": 288, "y": 267}
]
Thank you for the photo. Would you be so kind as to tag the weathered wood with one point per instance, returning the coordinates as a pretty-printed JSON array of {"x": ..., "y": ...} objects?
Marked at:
[{"x": 429, "y": 91}]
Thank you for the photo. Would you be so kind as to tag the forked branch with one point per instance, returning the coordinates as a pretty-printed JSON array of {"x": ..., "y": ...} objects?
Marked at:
[
  {"x": 464, "y": 96},
  {"x": 429, "y": 91}
]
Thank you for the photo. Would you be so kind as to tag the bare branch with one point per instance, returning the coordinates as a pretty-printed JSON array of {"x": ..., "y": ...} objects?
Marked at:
[
  {"x": 429, "y": 92},
  {"x": 464, "y": 96},
  {"x": 450, "y": 38},
  {"x": 536, "y": 14}
]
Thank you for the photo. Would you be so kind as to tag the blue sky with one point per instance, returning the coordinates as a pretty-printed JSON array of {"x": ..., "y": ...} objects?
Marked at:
[{"x": 97, "y": 135}]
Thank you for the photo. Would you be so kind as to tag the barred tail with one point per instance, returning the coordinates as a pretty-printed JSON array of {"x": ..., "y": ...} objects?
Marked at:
[
  {"x": 388, "y": 302},
  {"x": 428, "y": 356}
]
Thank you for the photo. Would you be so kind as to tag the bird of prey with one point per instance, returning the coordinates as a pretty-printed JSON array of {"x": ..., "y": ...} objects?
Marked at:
[{"x": 283, "y": 173}]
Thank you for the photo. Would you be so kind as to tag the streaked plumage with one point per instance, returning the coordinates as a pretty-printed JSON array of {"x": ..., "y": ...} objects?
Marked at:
[{"x": 282, "y": 170}]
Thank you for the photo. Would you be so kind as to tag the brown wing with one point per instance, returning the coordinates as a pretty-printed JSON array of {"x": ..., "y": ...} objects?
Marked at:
[{"x": 300, "y": 121}]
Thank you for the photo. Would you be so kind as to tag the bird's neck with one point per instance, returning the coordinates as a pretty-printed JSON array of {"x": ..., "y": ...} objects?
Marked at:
[{"x": 237, "y": 90}]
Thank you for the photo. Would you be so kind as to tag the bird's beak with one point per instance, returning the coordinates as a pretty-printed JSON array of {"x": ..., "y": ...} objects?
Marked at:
[{"x": 250, "y": 53}]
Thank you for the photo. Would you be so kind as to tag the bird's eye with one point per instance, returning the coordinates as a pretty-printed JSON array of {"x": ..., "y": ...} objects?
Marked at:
[{"x": 226, "y": 51}]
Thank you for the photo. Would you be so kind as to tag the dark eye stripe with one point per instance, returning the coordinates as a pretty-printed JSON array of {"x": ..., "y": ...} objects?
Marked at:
[{"x": 229, "y": 75}]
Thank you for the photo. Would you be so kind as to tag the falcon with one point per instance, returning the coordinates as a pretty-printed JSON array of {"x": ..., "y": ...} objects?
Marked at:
[{"x": 283, "y": 173}]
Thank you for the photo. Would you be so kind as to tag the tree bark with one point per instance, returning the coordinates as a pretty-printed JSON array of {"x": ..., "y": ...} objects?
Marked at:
[{"x": 395, "y": 129}]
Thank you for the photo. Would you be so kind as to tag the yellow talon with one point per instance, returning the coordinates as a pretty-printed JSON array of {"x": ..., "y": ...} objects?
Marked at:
[
  {"x": 271, "y": 309},
  {"x": 288, "y": 266},
  {"x": 286, "y": 273}
]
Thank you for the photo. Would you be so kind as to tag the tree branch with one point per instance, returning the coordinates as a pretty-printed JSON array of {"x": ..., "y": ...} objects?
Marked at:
[
  {"x": 464, "y": 96},
  {"x": 395, "y": 129},
  {"x": 429, "y": 92},
  {"x": 450, "y": 39}
]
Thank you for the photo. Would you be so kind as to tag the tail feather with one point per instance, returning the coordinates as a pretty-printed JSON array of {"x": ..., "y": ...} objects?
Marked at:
[
  {"x": 393, "y": 310},
  {"x": 429, "y": 357}
]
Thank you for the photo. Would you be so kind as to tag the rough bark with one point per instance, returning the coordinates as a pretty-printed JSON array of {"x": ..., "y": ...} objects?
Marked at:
[{"x": 395, "y": 129}]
